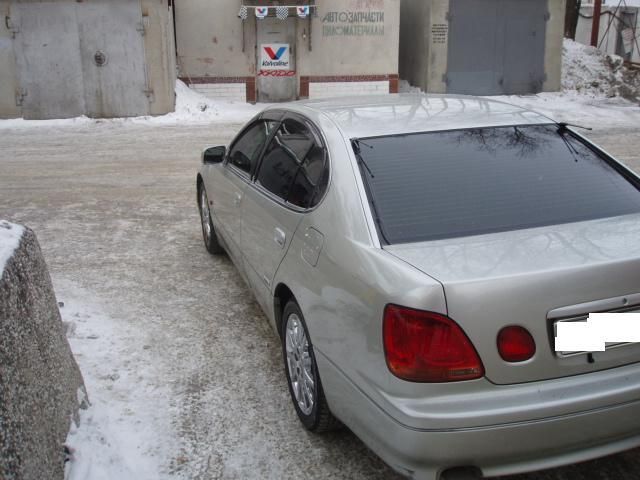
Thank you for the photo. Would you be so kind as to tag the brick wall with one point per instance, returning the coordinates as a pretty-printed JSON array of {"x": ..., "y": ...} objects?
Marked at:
[
  {"x": 337, "y": 89},
  {"x": 222, "y": 91},
  {"x": 241, "y": 89},
  {"x": 335, "y": 86}
]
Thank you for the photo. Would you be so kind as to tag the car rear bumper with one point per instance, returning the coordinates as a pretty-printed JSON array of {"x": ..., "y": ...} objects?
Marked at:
[{"x": 496, "y": 449}]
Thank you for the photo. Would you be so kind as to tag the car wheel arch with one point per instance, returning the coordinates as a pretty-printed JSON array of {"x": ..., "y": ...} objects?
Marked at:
[
  {"x": 199, "y": 185},
  {"x": 282, "y": 295}
]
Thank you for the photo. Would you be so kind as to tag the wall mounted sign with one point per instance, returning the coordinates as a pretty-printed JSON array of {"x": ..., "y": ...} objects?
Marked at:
[
  {"x": 439, "y": 33},
  {"x": 354, "y": 23},
  {"x": 281, "y": 11},
  {"x": 274, "y": 56},
  {"x": 262, "y": 12}
]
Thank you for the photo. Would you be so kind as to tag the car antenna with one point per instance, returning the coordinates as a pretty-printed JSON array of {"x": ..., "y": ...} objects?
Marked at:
[{"x": 564, "y": 125}]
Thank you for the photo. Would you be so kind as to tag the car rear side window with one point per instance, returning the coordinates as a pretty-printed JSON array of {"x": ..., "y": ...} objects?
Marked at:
[
  {"x": 294, "y": 166},
  {"x": 246, "y": 149},
  {"x": 437, "y": 185}
]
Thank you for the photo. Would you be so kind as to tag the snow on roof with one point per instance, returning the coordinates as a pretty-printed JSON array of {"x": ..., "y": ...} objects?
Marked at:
[{"x": 10, "y": 235}]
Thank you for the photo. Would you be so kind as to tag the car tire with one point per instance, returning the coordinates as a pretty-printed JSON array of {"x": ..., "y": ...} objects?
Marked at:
[
  {"x": 302, "y": 373},
  {"x": 208, "y": 232}
]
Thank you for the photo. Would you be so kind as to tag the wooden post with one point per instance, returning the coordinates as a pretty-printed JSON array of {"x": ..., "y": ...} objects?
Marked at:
[{"x": 595, "y": 29}]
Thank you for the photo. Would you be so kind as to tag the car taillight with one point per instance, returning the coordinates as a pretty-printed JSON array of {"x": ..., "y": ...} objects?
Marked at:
[
  {"x": 515, "y": 344},
  {"x": 427, "y": 347}
]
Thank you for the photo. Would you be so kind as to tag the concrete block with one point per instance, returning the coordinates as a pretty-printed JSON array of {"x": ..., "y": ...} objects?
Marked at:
[{"x": 40, "y": 383}]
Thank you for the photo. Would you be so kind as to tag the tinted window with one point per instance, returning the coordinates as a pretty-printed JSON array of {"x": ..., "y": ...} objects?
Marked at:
[
  {"x": 245, "y": 151},
  {"x": 294, "y": 165},
  {"x": 449, "y": 184}
]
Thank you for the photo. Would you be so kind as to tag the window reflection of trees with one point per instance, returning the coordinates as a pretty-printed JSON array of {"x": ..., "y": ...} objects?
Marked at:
[{"x": 523, "y": 142}]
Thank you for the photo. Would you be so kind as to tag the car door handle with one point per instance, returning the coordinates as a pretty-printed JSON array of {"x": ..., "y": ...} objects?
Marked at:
[
  {"x": 279, "y": 237},
  {"x": 237, "y": 198}
]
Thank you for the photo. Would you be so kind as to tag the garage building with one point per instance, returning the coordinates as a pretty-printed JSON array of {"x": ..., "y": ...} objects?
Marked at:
[
  {"x": 482, "y": 47},
  {"x": 271, "y": 51},
  {"x": 100, "y": 58}
]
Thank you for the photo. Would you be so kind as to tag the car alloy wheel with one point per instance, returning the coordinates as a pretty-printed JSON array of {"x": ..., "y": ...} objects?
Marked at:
[
  {"x": 299, "y": 364},
  {"x": 208, "y": 233},
  {"x": 302, "y": 373},
  {"x": 204, "y": 216}
]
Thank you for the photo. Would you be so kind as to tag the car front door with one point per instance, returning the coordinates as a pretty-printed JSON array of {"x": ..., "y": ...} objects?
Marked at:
[
  {"x": 287, "y": 183},
  {"x": 227, "y": 189}
]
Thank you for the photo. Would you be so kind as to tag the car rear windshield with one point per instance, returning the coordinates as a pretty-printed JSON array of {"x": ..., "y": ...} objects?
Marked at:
[{"x": 436, "y": 185}]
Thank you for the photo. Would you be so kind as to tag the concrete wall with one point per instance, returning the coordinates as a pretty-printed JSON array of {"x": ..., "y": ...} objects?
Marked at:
[
  {"x": 414, "y": 42},
  {"x": 554, "y": 39},
  {"x": 160, "y": 55},
  {"x": 437, "y": 54},
  {"x": 332, "y": 53},
  {"x": 216, "y": 48},
  {"x": 210, "y": 39},
  {"x": 8, "y": 80},
  {"x": 48, "y": 54},
  {"x": 40, "y": 382},
  {"x": 424, "y": 62}
]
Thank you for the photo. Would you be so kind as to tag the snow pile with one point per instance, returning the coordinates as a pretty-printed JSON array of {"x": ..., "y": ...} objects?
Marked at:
[
  {"x": 193, "y": 107},
  {"x": 405, "y": 87},
  {"x": 587, "y": 70},
  {"x": 10, "y": 235}
]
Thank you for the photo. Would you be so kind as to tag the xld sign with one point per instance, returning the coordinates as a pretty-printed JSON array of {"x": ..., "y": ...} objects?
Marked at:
[{"x": 275, "y": 56}]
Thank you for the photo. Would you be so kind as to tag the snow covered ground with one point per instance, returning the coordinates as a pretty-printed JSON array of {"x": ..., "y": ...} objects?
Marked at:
[
  {"x": 184, "y": 375},
  {"x": 125, "y": 433}
]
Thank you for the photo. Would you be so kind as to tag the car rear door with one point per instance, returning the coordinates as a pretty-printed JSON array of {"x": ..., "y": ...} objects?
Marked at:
[
  {"x": 226, "y": 190},
  {"x": 290, "y": 177}
]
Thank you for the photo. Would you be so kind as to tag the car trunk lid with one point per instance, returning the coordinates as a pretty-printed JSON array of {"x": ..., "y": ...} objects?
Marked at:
[{"x": 533, "y": 278}]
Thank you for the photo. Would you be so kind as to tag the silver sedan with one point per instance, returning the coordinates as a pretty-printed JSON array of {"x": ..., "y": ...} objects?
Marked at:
[{"x": 415, "y": 255}]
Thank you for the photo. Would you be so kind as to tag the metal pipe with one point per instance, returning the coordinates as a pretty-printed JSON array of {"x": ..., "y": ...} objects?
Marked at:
[{"x": 595, "y": 29}]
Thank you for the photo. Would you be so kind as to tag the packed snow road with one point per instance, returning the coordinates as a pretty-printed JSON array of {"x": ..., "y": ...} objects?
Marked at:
[{"x": 183, "y": 371}]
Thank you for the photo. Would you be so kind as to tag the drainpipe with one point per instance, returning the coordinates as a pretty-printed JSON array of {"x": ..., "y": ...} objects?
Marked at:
[{"x": 595, "y": 29}]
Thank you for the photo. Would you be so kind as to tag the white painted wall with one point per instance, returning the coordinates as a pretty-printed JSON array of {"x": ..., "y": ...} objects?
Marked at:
[
  {"x": 339, "y": 89},
  {"x": 222, "y": 91}
]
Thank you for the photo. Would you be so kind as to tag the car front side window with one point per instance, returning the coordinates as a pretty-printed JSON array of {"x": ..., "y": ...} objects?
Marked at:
[{"x": 247, "y": 148}]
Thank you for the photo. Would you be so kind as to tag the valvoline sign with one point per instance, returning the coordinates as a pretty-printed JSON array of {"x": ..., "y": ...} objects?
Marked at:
[{"x": 274, "y": 56}]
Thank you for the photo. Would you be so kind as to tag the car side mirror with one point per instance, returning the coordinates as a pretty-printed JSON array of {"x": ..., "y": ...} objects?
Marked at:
[{"x": 212, "y": 155}]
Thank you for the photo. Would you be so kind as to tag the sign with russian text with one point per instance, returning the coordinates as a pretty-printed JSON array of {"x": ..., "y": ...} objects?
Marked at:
[
  {"x": 356, "y": 23},
  {"x": 274, "y": 56}
]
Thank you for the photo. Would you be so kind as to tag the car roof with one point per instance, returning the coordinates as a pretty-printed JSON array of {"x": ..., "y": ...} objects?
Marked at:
[{"x": 379, "y": 115}]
